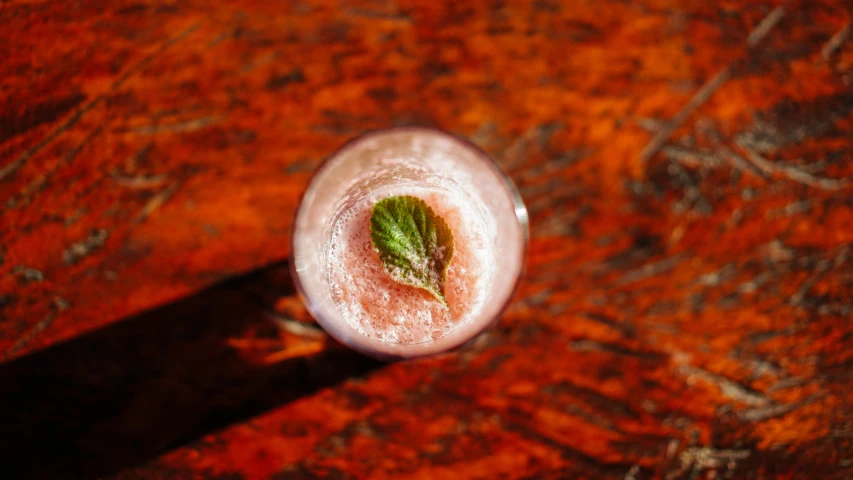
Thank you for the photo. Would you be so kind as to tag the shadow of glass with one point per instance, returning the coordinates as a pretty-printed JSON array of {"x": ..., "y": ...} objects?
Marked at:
[{"x": 118, "y": 396}]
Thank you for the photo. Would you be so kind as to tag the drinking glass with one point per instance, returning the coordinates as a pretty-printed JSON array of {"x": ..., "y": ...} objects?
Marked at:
[{"x": 408, "y": 159}]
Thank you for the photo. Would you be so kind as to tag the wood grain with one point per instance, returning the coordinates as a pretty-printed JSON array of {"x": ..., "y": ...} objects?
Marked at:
[{"x": 685, "y": 313}]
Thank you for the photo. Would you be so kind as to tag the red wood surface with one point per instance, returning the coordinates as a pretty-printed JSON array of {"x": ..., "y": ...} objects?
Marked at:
[{"x": 686, "y": 309}]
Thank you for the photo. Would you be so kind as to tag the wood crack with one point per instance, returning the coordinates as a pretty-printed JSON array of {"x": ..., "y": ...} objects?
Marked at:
[
  {"x": 729, "y": 388},
  {"x": 80, "y": 250},
  {"x": 651, "y": 270},
  {"x": 156, "y": 202},
  {"x": 707, "y": 90},
  {"x": 834, "y": 44}
]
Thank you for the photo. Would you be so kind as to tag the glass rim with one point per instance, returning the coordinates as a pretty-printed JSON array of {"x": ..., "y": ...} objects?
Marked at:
[{"x": 520, "y": 213}]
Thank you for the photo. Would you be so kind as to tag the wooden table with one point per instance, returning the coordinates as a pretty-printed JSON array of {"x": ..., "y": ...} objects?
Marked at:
[{"x": 686, "y": 308}]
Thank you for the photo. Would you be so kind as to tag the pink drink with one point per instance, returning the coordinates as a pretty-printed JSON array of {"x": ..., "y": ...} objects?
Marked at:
[
  {"x": 384, "y": 309},
  {"x": 341, "y": 277}
]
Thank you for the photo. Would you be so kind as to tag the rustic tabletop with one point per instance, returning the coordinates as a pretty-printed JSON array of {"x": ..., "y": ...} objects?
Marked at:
[{"x": 686, "y": 308}]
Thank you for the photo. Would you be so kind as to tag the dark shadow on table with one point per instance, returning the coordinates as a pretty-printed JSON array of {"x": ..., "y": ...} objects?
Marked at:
[{"x": 121, "y": 395}]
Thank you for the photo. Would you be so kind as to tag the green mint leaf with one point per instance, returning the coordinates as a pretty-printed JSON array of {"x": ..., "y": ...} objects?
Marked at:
[{"x": 414, "y": 244}]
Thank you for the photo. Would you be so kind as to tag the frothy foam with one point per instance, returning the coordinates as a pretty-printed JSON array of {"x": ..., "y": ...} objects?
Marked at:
[{"x": 381, "y": 308}]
